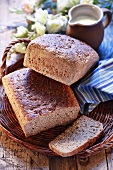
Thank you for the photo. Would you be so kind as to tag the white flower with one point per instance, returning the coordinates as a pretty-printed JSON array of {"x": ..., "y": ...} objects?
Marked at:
[
  {"x": 65, "y": 21},
  {"x": 53, "y": 26},
  {"x": 41, "y": 16},
  {"x": 86, "y": 1},
  {"x": 21, "y": 32},
  {"x": 20, "y": 47},
  {"x": 40, "y": 29},
  {"x": 61, "y": 5},
  {"x": 27, "y": 6},
  {"x": 57, "y": 24}
]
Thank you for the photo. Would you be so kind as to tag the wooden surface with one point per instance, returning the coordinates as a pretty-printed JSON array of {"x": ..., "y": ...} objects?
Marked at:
[{"x": 14, "y": 156}]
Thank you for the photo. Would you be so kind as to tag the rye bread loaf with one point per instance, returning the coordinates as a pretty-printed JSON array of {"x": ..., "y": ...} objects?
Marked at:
[
  {"x": 60, "y": 57},
  {"x": 83, "y": 133},
  {"x": 39, "y": 102}
]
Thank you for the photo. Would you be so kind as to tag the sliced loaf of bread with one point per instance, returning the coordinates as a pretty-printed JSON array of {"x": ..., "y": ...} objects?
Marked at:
[
  {"x": 83, "y": 133},
  {"x": 39, "y": 102}
]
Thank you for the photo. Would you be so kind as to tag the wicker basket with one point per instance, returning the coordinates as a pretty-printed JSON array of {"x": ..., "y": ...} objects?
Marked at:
[{"x": 9, "y": 123}]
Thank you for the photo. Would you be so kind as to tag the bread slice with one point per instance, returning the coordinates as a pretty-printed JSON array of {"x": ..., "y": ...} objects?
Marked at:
[
  {"x": 60, "y": 57},
  {"x": 39, "y": 102},
  {"x": 83, "y": 133}
]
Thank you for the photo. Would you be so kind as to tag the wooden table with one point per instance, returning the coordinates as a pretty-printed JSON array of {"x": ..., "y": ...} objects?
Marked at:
[{"x": 14, "y": 156}]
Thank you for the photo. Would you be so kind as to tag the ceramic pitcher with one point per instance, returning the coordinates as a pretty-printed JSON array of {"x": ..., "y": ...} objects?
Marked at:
[{"x": 87, "y": 23}]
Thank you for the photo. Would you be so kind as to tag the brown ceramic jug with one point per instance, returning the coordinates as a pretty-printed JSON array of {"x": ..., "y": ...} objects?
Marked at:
[{"x": 87, "y": 23}]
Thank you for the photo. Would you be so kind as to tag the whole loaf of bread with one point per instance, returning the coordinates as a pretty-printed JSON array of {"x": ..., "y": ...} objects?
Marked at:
[
  {"x": 60, "y": 57},
  {"x": 39, "y": 102}
]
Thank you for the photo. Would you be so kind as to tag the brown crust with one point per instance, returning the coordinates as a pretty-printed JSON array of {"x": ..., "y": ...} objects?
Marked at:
[
  {"x": 60, "y": 57},
  {"x": 64, "y": 46},
  {"x": 35, "y": 97}
]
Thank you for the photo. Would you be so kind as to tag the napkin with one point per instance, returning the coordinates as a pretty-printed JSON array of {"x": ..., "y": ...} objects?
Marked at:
[{"x": 98, "y": 85}]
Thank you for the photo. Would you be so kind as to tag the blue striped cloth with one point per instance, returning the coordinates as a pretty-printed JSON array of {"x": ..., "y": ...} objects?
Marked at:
[{"x": 98, "y": 85}]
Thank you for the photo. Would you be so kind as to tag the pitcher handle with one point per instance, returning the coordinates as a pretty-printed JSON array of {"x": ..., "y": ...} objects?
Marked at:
[{"x": 108, "y": 17}]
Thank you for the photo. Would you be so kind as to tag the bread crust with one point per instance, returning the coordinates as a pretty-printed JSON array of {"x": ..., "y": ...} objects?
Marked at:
[
  {"x": 79, "y": 130},
  {"x": 39, "y": 102},
  {"x": 60, "y": 57}
]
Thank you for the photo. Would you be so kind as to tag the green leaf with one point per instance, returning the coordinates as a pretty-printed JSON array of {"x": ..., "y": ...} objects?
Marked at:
[
  {"x": 15, "y": 10},
  {"x": 95, "y": 2},
  {"x": 41, "y": 2}
]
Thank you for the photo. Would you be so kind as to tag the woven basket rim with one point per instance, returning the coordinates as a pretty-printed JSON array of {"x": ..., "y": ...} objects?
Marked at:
[
  {"x": 107, "y": 143},
  {"x": 85, "y": 153}
]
